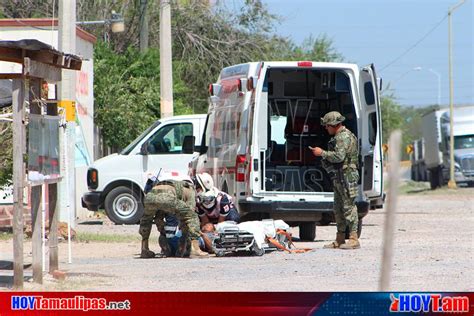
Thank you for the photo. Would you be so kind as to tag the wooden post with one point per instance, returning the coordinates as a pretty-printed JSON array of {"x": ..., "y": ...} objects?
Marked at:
[
  {"x": 53, "y": 211},
  {"x": 389, "y": 227},
  {"x": 18, "y": 99},
  {"x": 36, "y": 237},
  {"x": 53, "y": 226},
  {"x": 36, "y": 218}
]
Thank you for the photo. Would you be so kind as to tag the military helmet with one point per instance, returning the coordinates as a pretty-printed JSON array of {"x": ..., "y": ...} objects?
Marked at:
[{"x": 332, "y": 118}]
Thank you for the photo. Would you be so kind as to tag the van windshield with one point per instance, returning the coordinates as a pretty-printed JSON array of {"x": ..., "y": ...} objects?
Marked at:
[{"x": 132, "y": 145}]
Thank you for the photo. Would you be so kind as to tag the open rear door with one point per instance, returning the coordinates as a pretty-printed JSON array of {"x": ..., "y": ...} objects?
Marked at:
[
  {"x": 261, "y": 125},
  {"x": 371, "y": 141}
]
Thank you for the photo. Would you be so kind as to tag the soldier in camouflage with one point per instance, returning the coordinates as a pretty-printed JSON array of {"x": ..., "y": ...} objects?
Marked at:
[
  {"x": 176, "y": 198},
  {"x": 341, "y": 163}
]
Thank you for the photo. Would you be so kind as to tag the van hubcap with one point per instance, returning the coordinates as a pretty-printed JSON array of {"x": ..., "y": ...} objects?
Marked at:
[{"x": 125, "y": 205}]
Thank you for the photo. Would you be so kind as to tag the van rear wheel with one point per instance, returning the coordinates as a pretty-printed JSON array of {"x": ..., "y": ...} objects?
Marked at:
[
  {"x": 307, "y": 231},
  {"x": 124, "y": 206}
]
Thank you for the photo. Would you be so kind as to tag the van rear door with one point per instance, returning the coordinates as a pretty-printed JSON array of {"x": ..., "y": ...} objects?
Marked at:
[
  {"x": 371, "y": 140},
  {"x": 260, "y": 136}
]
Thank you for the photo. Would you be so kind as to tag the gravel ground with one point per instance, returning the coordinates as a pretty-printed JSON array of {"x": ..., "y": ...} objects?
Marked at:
[{"x": 433, "y": 252}]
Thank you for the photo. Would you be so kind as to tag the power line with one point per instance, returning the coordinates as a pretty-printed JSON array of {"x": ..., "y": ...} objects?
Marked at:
[{"x": 416, "y": 44}]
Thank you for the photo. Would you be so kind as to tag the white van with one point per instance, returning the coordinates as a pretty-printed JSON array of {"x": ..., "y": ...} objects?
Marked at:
[
  {"x": 116, "y": 182},
  {"x": 262, "y": 118}
]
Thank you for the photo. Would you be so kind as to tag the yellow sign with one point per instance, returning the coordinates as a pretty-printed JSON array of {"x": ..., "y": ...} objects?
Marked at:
[
  {"x": 409, "y": 148},
  {"x": 70, "y": 108}
]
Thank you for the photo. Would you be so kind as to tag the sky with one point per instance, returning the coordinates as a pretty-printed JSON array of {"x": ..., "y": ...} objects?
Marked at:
[{"x": 381, "y": 31}]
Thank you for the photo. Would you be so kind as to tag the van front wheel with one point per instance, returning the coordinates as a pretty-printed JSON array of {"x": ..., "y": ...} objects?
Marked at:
[
  {"x": 124, "y": 206},
  {"x": 308, "y": 231}
]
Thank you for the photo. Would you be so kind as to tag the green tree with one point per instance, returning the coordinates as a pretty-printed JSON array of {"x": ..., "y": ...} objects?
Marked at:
[
  {"x": 317, "y": 49},
  {"x": 127, "y": 95},
  {"x": 391, "y": 116}
]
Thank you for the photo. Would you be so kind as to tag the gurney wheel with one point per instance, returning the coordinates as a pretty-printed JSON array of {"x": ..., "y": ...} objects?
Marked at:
[
  {"x": 220, "y": 253},
  {"x": 258, "y": 251}
]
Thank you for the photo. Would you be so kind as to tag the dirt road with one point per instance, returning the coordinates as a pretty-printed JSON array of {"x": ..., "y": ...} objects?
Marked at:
[{"x": 433, "y": 252}]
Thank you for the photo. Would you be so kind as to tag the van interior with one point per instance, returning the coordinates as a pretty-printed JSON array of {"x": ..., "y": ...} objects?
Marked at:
[{"x": 297, "y": 100}]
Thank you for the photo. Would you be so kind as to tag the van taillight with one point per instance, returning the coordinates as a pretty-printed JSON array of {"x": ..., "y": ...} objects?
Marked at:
[
  {"x": 240, "y": 168},
  {"x": 305, "y": 64},
  {"x": 92, "y": 178},
  {"x": 211, "y": 89}
]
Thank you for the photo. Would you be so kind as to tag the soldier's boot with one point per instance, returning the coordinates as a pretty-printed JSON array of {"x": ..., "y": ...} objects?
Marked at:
[
  {"x": 146, "y": 252},
  {"x": 352, "y": 243},
  {"x": 196, "y": 251},
  {"x": 165, "y": 246},
  {"x": 340, "y": 240},
  {"x": 184, "y": 247}
]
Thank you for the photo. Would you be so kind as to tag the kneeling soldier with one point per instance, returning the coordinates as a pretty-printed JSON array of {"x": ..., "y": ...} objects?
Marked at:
[{"x": 176, "y": 198}]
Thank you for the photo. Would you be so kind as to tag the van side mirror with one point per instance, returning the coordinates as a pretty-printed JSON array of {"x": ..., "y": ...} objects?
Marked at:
[
  {"x": 188, "y": 144},
  {"x": 144, "y": 148}
]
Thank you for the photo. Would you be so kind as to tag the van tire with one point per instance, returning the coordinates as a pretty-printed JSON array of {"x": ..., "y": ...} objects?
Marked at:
[
  {"x": 124, "y": 205},
  {"x": 307, "y": 231},
  {"x": 359, "y": 229}
]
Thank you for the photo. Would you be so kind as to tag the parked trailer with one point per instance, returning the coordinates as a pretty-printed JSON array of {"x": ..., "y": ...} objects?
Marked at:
[{"x": 431, "y": 156}]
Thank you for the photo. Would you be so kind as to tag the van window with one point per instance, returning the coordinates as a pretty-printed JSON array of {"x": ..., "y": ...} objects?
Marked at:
[
  {"x": 369, "y": 93},
  {"x": 132, "y": 145},
  {"x": 169, "y": 139},
  {"x": 277, "y": 129},
  {"x": 372, "y": 128}
]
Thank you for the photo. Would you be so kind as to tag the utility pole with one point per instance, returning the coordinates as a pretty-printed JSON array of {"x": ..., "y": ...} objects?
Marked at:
[
  {"x": 67, "y": 92},
  {"x": 452, "y": 182},
  {"x": 19, "y": 95},
  {"x": 143, "y": 25},
  {"x": 166, "y": 69}
]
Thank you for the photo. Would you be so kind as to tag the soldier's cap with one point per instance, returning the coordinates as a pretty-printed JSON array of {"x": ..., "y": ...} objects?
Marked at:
[{"x": 332, "y": 118}]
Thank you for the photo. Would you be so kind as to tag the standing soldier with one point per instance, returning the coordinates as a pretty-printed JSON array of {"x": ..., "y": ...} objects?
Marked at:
[
  {"x": 341, "y": 163},
  {"x": 174, "y": 197}
]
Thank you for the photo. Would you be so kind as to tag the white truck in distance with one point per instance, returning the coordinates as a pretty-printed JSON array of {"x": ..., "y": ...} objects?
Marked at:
[
  {"x": 430, "y": 159},
  {"x": 263, "y": 116},
  {"x": 116, "y": 182}
]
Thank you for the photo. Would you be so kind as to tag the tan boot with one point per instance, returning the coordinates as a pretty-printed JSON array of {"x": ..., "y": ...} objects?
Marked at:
[
  {"x": 196, "y": 251},
  {"x": 352, "y": 243},
  {"x": 146, "y": 252},
  {"x": 340, "y": 239}
]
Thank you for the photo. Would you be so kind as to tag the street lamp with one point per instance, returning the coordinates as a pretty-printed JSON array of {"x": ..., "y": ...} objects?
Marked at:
[
  {"x": 438, "y": 75},
  {"x": 452, "y": 182},
  {"x": 116, "y": 22}
]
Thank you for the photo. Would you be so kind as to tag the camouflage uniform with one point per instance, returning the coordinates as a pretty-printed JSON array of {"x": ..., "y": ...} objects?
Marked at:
[
  {"x": 341, "y": 162},
  {"x": 170, "y": 197},
  {"x": 342, "y": 154}
]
